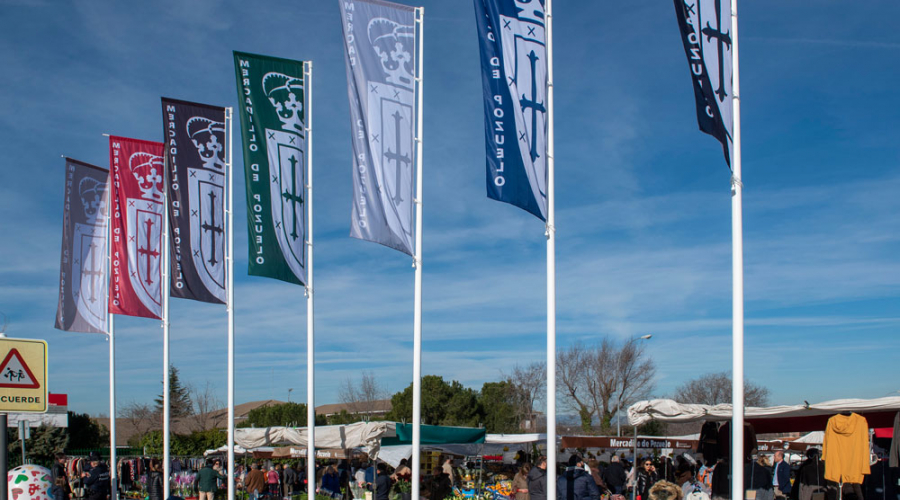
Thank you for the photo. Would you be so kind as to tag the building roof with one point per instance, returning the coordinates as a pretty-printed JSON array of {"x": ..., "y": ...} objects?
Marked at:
[{"x": 379, "y": 406}]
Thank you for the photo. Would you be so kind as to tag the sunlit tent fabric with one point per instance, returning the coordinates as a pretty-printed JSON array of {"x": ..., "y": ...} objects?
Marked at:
[
  {"x": 786, "y": 418},
  {"x": 328, "y": 436},
  {"x": 434, "y": 434}
]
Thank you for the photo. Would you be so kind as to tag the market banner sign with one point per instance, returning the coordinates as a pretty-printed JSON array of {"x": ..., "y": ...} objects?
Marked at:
[
  {"x": 511, "y": 35},
  {"x": 273, "y": 117},
  {"x": 83, "y": 257},
  {"x": 138, "y": 180},
  {"x": 380, "y": 55},
  {"x": 195, "y": 158},
  {"x": 706, "y": 32}
]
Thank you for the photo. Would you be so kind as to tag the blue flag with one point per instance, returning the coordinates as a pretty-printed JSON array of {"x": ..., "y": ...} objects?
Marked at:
[
  {"x": 380, "y": 54},
  {"x": 514, "y": 78}
]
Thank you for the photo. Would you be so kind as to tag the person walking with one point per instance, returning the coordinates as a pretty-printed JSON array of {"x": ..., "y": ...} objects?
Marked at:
[
  {"x": 537, "y": 480},
  {"x": 781, "y": 476},
  {"x": 520, "y": 482},
  {"x": 255, "y": 482},
  {"x": 289, "y": 478},
  {"x": 615, "y": 476},
  {"x": 576, "y": 483},
  {"x": 208, "y": 480},
  {"x": 155, "y": 480},
  {"x": 272, "y": 482}
]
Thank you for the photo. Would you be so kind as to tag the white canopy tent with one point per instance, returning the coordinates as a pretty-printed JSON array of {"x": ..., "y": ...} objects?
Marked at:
[
  {"x": 802, "y": 417},
  {"x": 358, "y": 435}
]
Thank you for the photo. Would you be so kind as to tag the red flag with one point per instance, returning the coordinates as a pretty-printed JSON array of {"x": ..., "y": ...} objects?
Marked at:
[{"x": 137, "y": 174}]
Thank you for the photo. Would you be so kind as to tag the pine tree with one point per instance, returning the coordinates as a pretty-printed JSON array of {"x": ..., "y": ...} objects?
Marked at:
[{"x": 180, "y": 404}]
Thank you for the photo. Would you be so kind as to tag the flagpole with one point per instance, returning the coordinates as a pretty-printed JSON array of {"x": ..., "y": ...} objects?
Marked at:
[
  {"x": 417, "y": 262},
  {"x": 230, "y": 308},
  {"x": 310, "y": 323},
  {"x": 551, "y": 268},
  {"x": 737, "y": 271},
  {"x": 165, "y": 325},
  {"x": 112, "y": 367}
]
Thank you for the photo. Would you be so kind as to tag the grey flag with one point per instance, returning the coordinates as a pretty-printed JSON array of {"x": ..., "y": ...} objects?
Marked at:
[
  {"x": 380, "y": 54},
  {"x": 83, "y": 275}
]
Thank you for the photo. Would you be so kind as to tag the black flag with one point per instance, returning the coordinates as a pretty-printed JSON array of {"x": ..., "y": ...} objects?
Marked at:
[
  {"x": 195, "y": 162},
  {"x": 706, "y": 33}
]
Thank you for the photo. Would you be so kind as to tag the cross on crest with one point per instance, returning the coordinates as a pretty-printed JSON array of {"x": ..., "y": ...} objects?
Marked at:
[
  {"x": 292, "y": 196},
  {"x": 397, "y": 158},
  {"x": 212, "y": 229},
  {"x": 94, "y": 273},
  {"x": 722, "y": 39},
  {"x": 148, "y": 251},
  {"x": 533, "y": 103}
]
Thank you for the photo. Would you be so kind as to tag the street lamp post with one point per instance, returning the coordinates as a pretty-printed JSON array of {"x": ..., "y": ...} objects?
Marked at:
[
  {"x": 289, "y": 394},
  {"x": 619, "y": 393}
]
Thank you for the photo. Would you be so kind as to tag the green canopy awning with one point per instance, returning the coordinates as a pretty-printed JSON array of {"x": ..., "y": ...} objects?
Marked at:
[{"x": 436, "y": 434}]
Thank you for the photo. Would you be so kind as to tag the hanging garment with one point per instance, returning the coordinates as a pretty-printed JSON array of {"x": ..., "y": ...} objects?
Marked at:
[
  {"x": 708, "y": 445},
  {"x": 845, "y": 448},
  {"x": 894, "y": 456},
  {"x": 724, "y": 439}
]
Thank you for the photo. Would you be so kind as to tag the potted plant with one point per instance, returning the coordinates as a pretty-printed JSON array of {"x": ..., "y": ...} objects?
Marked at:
[{"x": 404, "y": 487}]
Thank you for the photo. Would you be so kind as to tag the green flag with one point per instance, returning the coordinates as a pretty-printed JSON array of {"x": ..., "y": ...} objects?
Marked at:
[{"x": 272, "y": 94}]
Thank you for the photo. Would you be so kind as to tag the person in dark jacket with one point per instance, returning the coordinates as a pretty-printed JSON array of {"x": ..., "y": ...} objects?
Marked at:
[
  {"x": 576, "y": 483},
  {"x": 97, "y": 480},
  {"x": 155, "y": 480},
  {"x": 59, "y": 490},
  {"x": 646, "y": 478},
  {"x": 208, "y": 481},
  {"x": 290, "y": 480},
  {"x": 615, "y": 476},
  {"x": 781, "y": 475},
  {"x": 382, "y": 483},
  {"x": 758, "y": 477},
  {"x": 59, "y": 471},
  {"x": 440, "y": 486},
  {"x": 537, "y": 480}
]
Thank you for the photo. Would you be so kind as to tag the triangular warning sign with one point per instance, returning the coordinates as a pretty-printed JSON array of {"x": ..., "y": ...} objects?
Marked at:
[{"x": 15, "y": 374}]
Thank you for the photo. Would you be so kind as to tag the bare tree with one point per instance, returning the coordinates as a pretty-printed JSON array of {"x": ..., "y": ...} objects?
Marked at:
[
  {"x": 362, "y": 399},
  {"x": 142, "y": 417},
  {"x": 528, "y": 383},
  {"x": 599, "y": 380},
  {"x": 206, "y": 404},
  {"x": 715, "y": 388}
]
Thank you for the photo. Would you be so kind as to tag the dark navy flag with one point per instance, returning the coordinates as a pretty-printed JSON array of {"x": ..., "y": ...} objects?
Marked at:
[
  {"x": 380, "y": 54},
  {"x": 195, "y": 165},
  {"x": 83, "y": 259},
  {"x": 706, "y": 32},
  {"x": 514, "y": 78}
]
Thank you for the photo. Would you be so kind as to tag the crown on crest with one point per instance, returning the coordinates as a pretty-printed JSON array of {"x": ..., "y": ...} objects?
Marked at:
[
  {"x": 208, "y": 137},
  {"x": 148, "y": 170},
  {"x": 285, "y": 94},
  {"x": 91, "y": 193},
  {"x": 394, "y": 42}
]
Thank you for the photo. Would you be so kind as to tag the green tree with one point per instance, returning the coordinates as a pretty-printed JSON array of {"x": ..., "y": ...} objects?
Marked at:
[
  {"x": 442, "y": 404},
  {"x": 84, "y": 433},
  {"x": 180, "y": 404},
  {"x": 500, "y": 412},
  {"x": 193, "y": 444}
]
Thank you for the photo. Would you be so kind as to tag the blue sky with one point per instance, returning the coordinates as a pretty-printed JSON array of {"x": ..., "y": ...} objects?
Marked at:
[{"x": 644, "y": 241}]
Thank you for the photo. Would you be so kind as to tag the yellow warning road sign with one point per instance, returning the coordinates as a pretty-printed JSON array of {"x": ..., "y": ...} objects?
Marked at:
[{"x": 23, "y": 375}]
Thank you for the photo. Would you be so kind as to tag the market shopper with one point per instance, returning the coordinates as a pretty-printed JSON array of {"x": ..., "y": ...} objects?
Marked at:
[
  {"x": 59, "y": 490},
  {"x": 615, "y": 477},
  {"x": 520, "y": 483},
  {"x": 255, "y": 482},
  {"x": 758, "y": 477},
  {"x": 781, "y": 476},
  {"x": 208, "y": 478},
  {"x": 448, "y": 469},
  {"x": 289, "y": 478},
  {"x": 331, "y": 482},
  {"x": 155, "y": 480},
  {"x": 439, "y": 487},
  {"x": 382, "y": 483},
  {"x": 645, "y": 479},
  {"x": 97, "y": 480},
  {"x": 272, "y": 482},
  {"x": 537, "y": 480},
  {"x": 576, "y": 483}
]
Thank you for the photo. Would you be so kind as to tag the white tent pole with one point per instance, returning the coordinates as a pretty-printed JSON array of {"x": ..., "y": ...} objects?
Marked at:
[
  {"x": 737, "y": 271},
  {"x": 310, "y": 323},
  {"x": 551, "y": 268},
  {"x": 229, "y": 118},
  {"x": 112, "y": 368},
  {"x": 417, "y": 262},
  {"x": 166, "y": 281}
]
